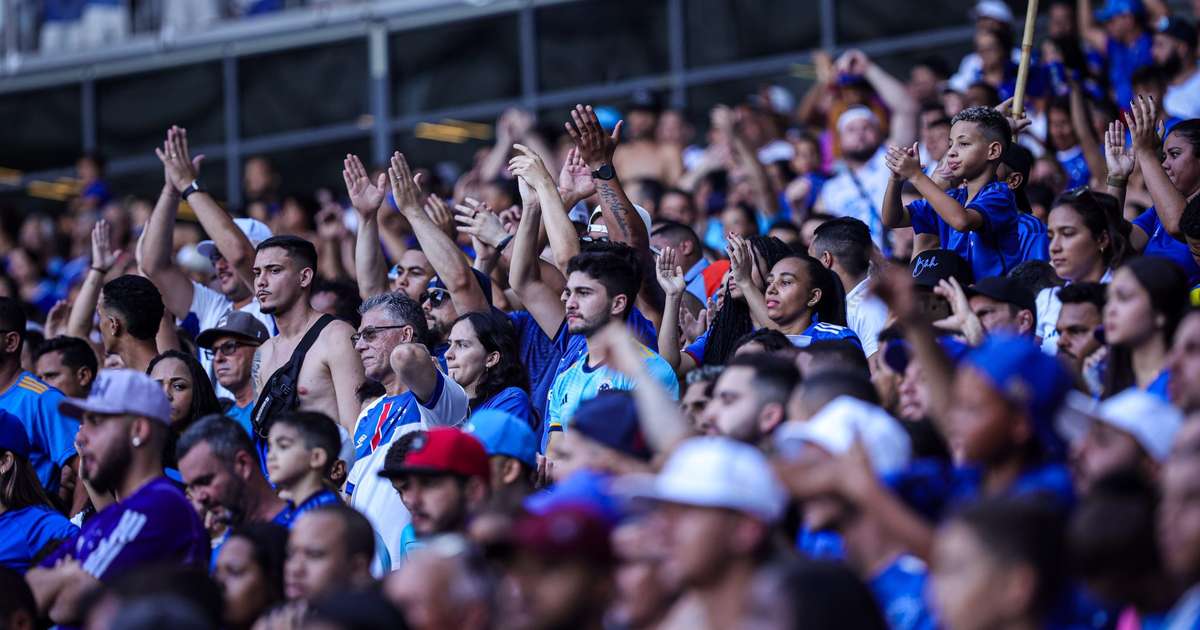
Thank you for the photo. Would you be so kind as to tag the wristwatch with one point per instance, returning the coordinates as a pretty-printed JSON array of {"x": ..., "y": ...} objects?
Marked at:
[
  {"x": 190, "y": 188},
  {"x": 605, "y": 172}
]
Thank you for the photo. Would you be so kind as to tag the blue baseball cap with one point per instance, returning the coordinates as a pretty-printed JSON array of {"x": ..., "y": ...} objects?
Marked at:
[
  {"x": 1113, "y": 8},
  {"x": 585, "y": 489},
  {"x": 504, "y": 434},
  {"x": 611, "y": 418},
  {"x": 12, "y": 435},
  {"x": 1021, "y": 372},
  {"x": 484, "y": 281}
]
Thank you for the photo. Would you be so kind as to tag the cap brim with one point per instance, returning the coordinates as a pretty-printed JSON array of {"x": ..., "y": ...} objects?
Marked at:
[
  {"x": 76, "y": 407},
  {"x": 208, "y": 249},
  {"x": 395, "y": 473}
]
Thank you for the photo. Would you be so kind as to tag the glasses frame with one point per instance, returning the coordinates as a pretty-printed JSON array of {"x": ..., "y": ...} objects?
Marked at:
[{"x": 370, "y": 331}]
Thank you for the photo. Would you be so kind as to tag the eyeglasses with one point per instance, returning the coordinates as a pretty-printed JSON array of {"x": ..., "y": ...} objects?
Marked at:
[
  {"x": 435, "y": 297},
  {"x": 226, "y": 349},
  {"x": 368, "y": 334}
]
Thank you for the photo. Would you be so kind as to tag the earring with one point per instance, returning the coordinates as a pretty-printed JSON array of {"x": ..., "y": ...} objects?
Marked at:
[{"x": 137, "y": 441}]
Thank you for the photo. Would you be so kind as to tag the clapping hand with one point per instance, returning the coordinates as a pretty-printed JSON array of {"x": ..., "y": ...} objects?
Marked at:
[
  {"x": 1144, "y": 125},
  {"x": 439, "y": 213},
  {"x": 179, "y": 168},
  {"x": 477, "y": 219},
  {"x": 103, "y": 256},
  {"x": 670, "y": 275},
  {"x": 406, "y": 187},
  {"x": 364, "y": 196},
  {"x": 530, "y": 167},
  {"x": 575, "y": 180},
  {"x": 595, "y": 147},
  {"x": 1118, "y": 156},
  {"x": 903, "y": 162}
]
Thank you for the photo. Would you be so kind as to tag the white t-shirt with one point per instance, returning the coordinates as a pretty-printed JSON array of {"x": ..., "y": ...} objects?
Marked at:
[
  {"x": 842, "y": 197},
  {"x": 373, "y": 495},
  {"x": 866, "y": 315},
  {"x": 1183, "y": 100},
  {"x": 209, "y": 306}
]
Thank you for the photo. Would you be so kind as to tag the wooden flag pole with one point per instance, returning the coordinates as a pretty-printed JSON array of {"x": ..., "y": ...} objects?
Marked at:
[{"x": 1018, "y": 105}]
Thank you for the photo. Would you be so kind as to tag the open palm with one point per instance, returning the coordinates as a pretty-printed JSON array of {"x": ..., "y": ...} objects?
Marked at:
[{"x": 364, "y": 196}]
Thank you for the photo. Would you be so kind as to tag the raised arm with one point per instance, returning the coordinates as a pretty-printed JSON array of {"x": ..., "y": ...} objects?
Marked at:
[
  {"x": 904, "y": 164},
  {"x": 445, "y": 257},
  {"x": 1118, "y": 162},
  {"x": 1092, "y": 33},
  {"x": 724, "y": 120},
  {"x": 182, "y": 172},
  {"x": 525, "y": 274},
  {"x": 415, "y": 368},
  {"x": 670, "y": 278},
  {"x": 369, "y": 267},
  {"x": 564, "y": 242},
  {"x": 901, "y": 104},
  {"x": 741, "y": 261},
  {"x": 155, "y": 254},
  {"x": 83, "y": 310},
  {"x": 1168, "y": 200},
  {"x": 1081, "y": 122},
  {"x": 659, "y": 416}
]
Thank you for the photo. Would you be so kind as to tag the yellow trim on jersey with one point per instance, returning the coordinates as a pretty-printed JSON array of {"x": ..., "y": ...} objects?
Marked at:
[{"x": 33, "y": 385}]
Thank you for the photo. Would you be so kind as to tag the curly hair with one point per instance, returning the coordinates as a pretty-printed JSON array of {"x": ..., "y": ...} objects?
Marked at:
[
  {"x": 733, "y": 319},
  {"x": 496, "y": 334}
]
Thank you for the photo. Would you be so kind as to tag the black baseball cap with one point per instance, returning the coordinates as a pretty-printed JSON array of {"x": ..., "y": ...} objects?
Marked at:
[
  {"x": 238, "y": 324},
  {"x": 1004, "y": 289},
  {"x": 1020, "y": 160},
  {"x": 1179, "y": 28},
  {"x": 933, "y": 265}
]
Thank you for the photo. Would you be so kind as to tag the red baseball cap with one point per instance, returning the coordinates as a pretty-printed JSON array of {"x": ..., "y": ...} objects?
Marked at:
[
  {"x": 564, "y": 533},
  {"x": 443, "y": 451}
]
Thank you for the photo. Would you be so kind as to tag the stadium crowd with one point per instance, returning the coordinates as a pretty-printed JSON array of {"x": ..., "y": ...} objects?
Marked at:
[{"x": 889, "y": 355}]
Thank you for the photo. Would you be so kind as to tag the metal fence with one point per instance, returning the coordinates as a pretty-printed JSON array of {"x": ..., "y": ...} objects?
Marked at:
[{"x": 390, "y": 65}]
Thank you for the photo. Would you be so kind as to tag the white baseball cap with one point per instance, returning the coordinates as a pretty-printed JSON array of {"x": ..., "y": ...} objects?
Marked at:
[
  {"x": 835, "y": 426},
  {"x": 858, "y": 112},
  {"x": 994, "y": 10},
  {"x": 1151, "y": 420},
  {"x": 714, "y": 472},
  {"x": 118, "y": 392},
  {"x": 596, "y": 220},
  {"x": 255, "y": 230}
]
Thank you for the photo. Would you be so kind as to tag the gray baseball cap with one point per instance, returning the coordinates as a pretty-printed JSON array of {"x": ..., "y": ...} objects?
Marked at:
[
  {"x": 238, "y": 324},
  {"x": 118, "y": 392}
]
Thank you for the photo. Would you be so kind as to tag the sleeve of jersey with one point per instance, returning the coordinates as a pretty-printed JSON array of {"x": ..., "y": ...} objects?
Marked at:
[
  {"x": 924, "y": 220},
  {"x": 661, "y": 370},
  {"x": 554, "y": 412},
  {"x": 49, "y": 527},
  {"x": 998, "y": 207},
  {"x": 1146, "y": 221},
  {"x": 448, "y": 405},
  {"x": 55, "y": 432},
  {"x": 208, "y": 305},
  {"x": 696, "y": 348}
]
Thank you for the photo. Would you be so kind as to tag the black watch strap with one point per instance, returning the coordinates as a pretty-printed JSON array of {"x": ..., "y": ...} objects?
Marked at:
[
  {"x": 191, "y": 188},
  {"x": 605, "y": 172}
]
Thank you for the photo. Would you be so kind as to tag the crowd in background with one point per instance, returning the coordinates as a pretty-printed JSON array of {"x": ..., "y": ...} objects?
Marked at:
[{"x": 893, "y": 353}]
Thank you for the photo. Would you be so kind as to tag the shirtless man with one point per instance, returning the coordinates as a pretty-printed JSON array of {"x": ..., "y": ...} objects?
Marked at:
[
  {"x": 284, "y": 268},
  {"x": 639, "y": 156}
]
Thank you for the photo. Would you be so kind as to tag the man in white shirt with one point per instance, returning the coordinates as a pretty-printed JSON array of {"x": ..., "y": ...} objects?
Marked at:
[
  {"x": 844, "y": 246},
  {"x": 1174, "y": 52}
]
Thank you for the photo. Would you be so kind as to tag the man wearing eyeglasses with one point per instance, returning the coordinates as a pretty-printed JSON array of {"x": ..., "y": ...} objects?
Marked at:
[{"x": 230, "y": 346}]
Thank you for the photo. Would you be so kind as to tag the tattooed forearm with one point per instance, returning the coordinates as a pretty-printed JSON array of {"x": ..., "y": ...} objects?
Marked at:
[{"x": 609, "y": 197}]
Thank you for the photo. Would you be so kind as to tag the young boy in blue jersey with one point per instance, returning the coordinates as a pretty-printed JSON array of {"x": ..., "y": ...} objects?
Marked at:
[
  {"x": 978, "y": 221},
  {"x": 302, "y": 449}
]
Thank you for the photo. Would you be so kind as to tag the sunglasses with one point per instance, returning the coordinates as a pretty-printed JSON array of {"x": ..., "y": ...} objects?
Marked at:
[
  {"x": 370, "y": 333},
  {"x": 435, "y": 297}
]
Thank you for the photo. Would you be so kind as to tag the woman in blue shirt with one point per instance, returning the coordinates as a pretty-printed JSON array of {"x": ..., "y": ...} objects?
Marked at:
[
  {"x": 1172, "y": 179},
  {"x": 804, "y": 300},
  {"x": 1146, "y": 300},
  {"x": 27, "y": 521},
  {"x": 483, "y": 358}
]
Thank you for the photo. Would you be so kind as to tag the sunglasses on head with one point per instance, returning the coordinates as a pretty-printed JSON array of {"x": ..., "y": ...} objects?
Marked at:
[{"x": 435, "y": 297}]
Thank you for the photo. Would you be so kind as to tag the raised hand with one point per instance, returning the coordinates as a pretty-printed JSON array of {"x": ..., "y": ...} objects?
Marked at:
[
  {"x": 1118, "y": 156},
  {"x": 530, "y": 167},
  {"x": 364, "y": 196},
  {"x": 1143, "y": 127},
  {"x": 1016, "y": 124},
  {"x": 903, "y": 162},
  {"x": 575, "y": 180},
  {"x": 179, "y": 168},
  {"x": 595, "y": 147},
  {"x": 440, "y": 214},
  {"x": 961, "y": 319},
  {"x": 103, "y": 257},
  {"x": 670, "y": 275},
  {"x": 56, "y": 325},
  {"x": 477, "y": 219},
  {"x": 741, "y": 258},
  {"x": 406, "y": 188},
  {"x": 693, "y": 327}
]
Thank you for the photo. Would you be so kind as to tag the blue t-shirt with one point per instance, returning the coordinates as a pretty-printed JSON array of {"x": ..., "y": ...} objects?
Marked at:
[
  {"x": 1123, "y": 61},
  {"x": 1035, "y": 242},
  {"x": 155, "y": 525},
  {"x": 243, "y": 416},
  {"x": 24, "y": 532},
  {"x": 1075, "y": 166},
  {"x": 379, "y": 425},
  {"x": 540, "y": 356},
  {"x": 516, "y": 402},
  {"x": 578, "y": 382},
  {"x": 1158, "y": 386},
  {"x": 1163, "y": 245},
  {"x": 992, "y": 250},
  {"x": 900, "y": 591},
  {"x": 817, "y": 331},
  {"x": 323, "y": 497},
  {"x": 51, "y": 434}
]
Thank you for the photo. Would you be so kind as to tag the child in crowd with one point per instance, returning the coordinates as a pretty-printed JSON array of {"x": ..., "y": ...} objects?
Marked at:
[{"x": 302, "y": 448}]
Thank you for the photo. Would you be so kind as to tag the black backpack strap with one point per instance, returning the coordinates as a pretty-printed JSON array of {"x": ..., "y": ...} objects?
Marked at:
[{"x": 285, "y": 379}]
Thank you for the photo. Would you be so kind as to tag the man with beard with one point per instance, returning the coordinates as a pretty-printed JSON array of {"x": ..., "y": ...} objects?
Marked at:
[
  {"x": 220, "y": 466},
  {"x": 1174, "y": 52},
  {"x": 231, "y": 249},
  {"x": 125, "y": 426},
  {"x": 329, "y": 372}
]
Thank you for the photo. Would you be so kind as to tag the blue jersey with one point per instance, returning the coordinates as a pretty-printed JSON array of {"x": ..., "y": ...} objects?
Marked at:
[
  {"x": 323, "y": 497},
  {"x": 540, "y": 356},
  {"x": 1035, "y": 242},
  {"x": 900, "y": 591},
  {"x": 408, "y": 542},
  {"x": 24, "y": 532},
  {"x": 1075, "y": 166},
  {"x": 155, "y": 525},
  {"x": 378, "y": 426},
  {"x": 1163, "y": 245},
  {"x": 579, "y": 382},
  {"x": 818, "y": 331},
  {"x": 51, "y": 434},
  {"x": 243, "y": 416},
  {"x": 516, "y": 402},
  {"x": 992, "y": 250}
]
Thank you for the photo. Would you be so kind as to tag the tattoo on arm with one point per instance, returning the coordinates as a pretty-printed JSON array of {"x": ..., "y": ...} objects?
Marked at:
[
  {"x": 255, "y": 366},
  {"x": 613, "y": 200}
]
